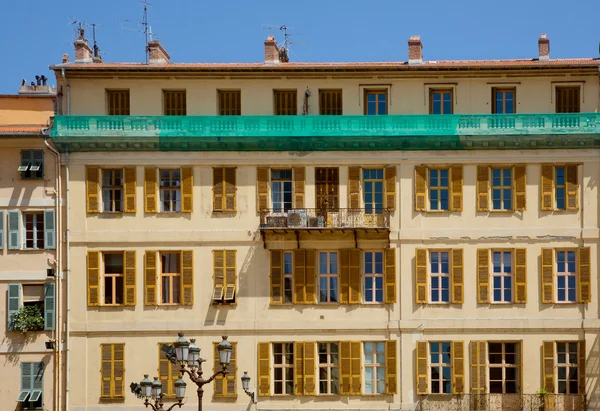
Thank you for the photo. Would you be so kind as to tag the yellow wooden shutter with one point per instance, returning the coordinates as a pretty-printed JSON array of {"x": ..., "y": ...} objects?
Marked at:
[
  {"x": 150, "y": 189},
  {"x": 93, "y": 277},
  {"x": 548, "y": 366},
  {"x": 299, "y": 368},
  {"x": 130, "y": 274},
  {"x": 150, "y": 273},
  {"x": 187, "y": 277},
  {"x": 520, "y": 186},
  {"x": 483, "y": 188},
  {"x": 421, "y": 276},
  {"x": 420, "y": 188},
  {"x": 353, "y": 187},
  {"x": 310, "y": 377},
  {"x": 187, "y": 189},
  {"x": 457, "y": 296},
  {"x": 391, "y": 372},
  {"x": 547, "y": 187},
  {"x": 230, "y": 275},
  {"x": 483, "y": 275},
  {"x": 218, "y": 275},
  {"x": 354, "y": 289},
  {"x": 547, "y": 275},
  {"x": 422, "y": 368},
  {"x": 276, "y": 276},
  {"x": 264, "y": 369},
  {"x": 520, "y": 365},
  {"x": 390, "y": 188},
  {"x": 310, "y": 278},
  {"x": 118, "y": 382},
  {"x": 344, "y": 267},
  {"x": 345, "y": 368},
  {"x": 478, "y": 367},
  {"x": 225, "y": 386},
  {"x": 390, "y": 275},
  {"x": 521, "y": 275},
  {"x": 130, "y": 189},
  {"x": 299, "y": 184},
  {"x": 262, "y": 188},
  {"x": 572, "y": 183},
  {"x": 218, "y": 189},
  {"x": 106, "y": 371},
  {"x": 355, "y": 362},
  {"x": 585, "y": 275},
  {"x": 92, "y": 181},
  {"x": 230, "y": 189},
  {"x": 299, "y": 276},
  {"x": 458, "y": 367},
  {"x": 581, "y": 371},
  {"x": 166, "y": 373},
  {"x": 456, "y": 188}
]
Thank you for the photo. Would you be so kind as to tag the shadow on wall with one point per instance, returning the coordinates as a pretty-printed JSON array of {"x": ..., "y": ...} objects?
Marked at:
[{"x": 592, "y": 369}]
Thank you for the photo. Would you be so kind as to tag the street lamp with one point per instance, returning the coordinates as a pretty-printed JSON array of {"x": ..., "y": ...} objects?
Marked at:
[
  {"x": 152, "y": 391},
  {"x": 246, "y": 387}
]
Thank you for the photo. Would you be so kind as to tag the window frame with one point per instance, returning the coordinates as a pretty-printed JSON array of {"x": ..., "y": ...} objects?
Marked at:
[
  {"x": 374, "y": 276},
  {"x": 503, "y": 91},
  {"x": 287, "y": 276},
  {"x": 557, "y": 186},
  {"x": 375, "y": 366},
  {"x": 39, "y": 403},
  {"x": 37, "y": 217},
  {"x": 440, "y": 365},
  {"x": 176, "y": 97},
  {"x": 229, "y": 102},
  {"x": 172, "y": 278},
  {"x": 329, "y": 276},
  {"x": 503, "y": 275},
  {"x": 281, "y": 182},
  {"x": 373, "y": 210},
  {"x": 171, "y": 189},
  {"x": 328, "y": 99},
  {"x": 113, "y": 189},
  {"x": 284, "y": 366},
  {"x": 125, "y": 105},
  {"x": 285, "y": 102},
  {"x": 566, "y": 106},
  {"x": 376, "y": 92},
  {"x": 439, "y": 275},
  {"x": 502, "y": 188},
  {"x": 327, "y": 187},
  {"x": 567, "y": 275},
  {"x": 442, "y": 91},
  {"x": 25, "y": 170},
  {"x": 567, "y": 365},
  {"x": 440, "y": 189},
  {"x": 329, "y": 366},
  {"x": 114, "y": 277},
  {"x": 504, "y": 366}
]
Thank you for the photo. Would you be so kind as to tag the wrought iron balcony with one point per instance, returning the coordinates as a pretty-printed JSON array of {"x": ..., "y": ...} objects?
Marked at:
[
  {"x": 314, "y": 218},
  {"x": 502, "y": 402}
]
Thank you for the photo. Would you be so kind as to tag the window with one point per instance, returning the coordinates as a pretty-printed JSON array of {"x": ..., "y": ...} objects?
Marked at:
[
  {"x": 31, "y": 395},
  {"x": 502, "y": 188},
  {"x": 112, "y": 371},
  {"x": 439, "y": 267},
  {"x": 327, "y": 188},
  {"x": 113, "y": 278},
  {"x": 374, "y": 367},
  {"x": 440, "y": 367},
  {"x": 225, "y": 386},
  {"x": 281, "y": 190},
  {"x": 170, "y": 278},
  {"x": 224, "y": 276},
  {"x": 439, "y": 189},
  {"x": 504, "y": 100},
  {"x": 567, "y": 375},
  {"x": 224, "y": 189},
  {"x": 117, "y": 102},
  {"x": 329, "y": 368},
  {"x": 567, "y": 99},
  {"x": 559, "y": 187},
  {"x": 376, "y": 102},
  {"x": 41, "y": 296},
  {"x": 502, "y": 277},
  {"x": 34, "y": 231},
  {"x": 566, "y": 276},
  {"x": 32, "y": 164},
  {"x": 174, "y": 102},
  {"x": 286, "y": 102},
  {"x": 330, "y": 102},
  {"x": 440, "y": 101},
  {"x": 373, "y": 276},
  {"x": 507, "y": 188},
  {"x": 328, "y": 277},
  {"x": 288, "y": 277},
  {"x": 283, "y": 368},
  {"x": 112, "y": 190},
  {"x": 170, "y": 190},
  {"x": 168, "y": 372},
  {"x": 503, "y": 363},
  {"x": 373, "y": 190},
  {"x": 230, "y": 102}
]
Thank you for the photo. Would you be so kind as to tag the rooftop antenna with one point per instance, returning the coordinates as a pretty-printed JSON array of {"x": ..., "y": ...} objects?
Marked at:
[
  {"x": 146, "y": 28},
  {"x": 284, "y": 47},
  {"x": 80, "y": 32}
]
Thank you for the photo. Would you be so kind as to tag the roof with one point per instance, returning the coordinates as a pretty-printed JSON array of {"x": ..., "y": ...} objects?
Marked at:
[{"x": 29, "y": 129}]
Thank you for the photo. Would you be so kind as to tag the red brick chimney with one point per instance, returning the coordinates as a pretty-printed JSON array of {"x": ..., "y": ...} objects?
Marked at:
[
  {"x": 157, "y": 53},
  {"x": 415, "y": 50},
  {"x": 271, "y": 51},
  {"x": 544, "y": 48},
  {"x": 83, "y": 52}
]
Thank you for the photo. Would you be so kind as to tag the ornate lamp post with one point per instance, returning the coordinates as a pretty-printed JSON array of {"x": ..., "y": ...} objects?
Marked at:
[
  {"x": 152, "y": 391},
  {"x": 246, "y": 387}
]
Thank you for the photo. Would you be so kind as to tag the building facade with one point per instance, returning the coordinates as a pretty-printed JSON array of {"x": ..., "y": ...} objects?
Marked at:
[{"x": 425, "y": 235}]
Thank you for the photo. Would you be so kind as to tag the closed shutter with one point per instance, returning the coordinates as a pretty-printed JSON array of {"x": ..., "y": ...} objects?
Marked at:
[
  {"x": 1, "y": 230},
  {"x": 483, "y": 276},
  {"x": 585, "y": 275},
  {"x": 299, "y": 186},
  {"x": 345, "y": 368},
  {"x": 93, "y": 278},
  {"x": 421, "y": 276},
  {"x": 187, "y": 277},
  {"x": 130, "y": 189},
  {"x": 457, "y": 276},
  {"x": 547, "y": 275},
  {"x": 230, "y": 275},
  {"x": 130, "y": 276},
  {"x": 355, "y": 362},
  {"x": 262, "y": 188},
  {"x": 390, "y": 188},
  {"x": 14, "y": 302},
  {"x": 218, "y": 275},
  {"x": 478, "y": 367},
  {"x": 150, "y": 274},
  {"x": 422, "y": 368},
  {"x": 354, "y": 289},
  {"x": 38, "y": 381},
  {"x": 520, "y": 366},
  {"x": 230, "y": 189},
  {"x": 391, "y": 368},
  {"x": 581, "y": 371},
  {"x": 572, "y": 182},
  {"x": 119, "y": 370},
  {"x": 458, "y": 367},
  {"x": 547, "y": 187},
  {"x": 390, "y": 276},
  {"x": 548, "y": 366},
  {"x": 225, "y": 386},
  {"x": 187, "y": 189},
  {"x": 218, "y": 189},
  {"x": 299, "y": 368},
  {"x": 150, "y": 189},
  {"x": 167, "y": 373},
  {"x": 344, "y": 264},
  {"x": 49, "y": 306},
  {"x": 456, "y": 188},
  {"x": 353, "y": 187},
  {"x": 520, "y": 185},
  {"x": 299, "y": 276},
  {"x": 276, "y": 277},
  {"x": 112, "y": 371},
  {"x": 521, "y": 275},
  {"x": 264, "y": 369},
  {"x": 420, "y": 188},
  {"x": 14, "y": 232},
  {"x": 310, "y": 377},
  {"x": 483, "y": 188},
  {"x": 310, "y": 278},
  {"x": 49, "y": 229},
  {"x": 92, "y": 180}
]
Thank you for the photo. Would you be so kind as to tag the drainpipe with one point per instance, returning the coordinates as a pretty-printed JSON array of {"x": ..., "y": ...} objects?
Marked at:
[
  {"x": 62, "y": 72},
  {"x": 68, "y": 271}
]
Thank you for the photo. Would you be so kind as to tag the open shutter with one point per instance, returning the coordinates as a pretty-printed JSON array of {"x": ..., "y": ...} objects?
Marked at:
[
  {"x": 547, "y": 188},
  {"x": 354, "y": 289},
  {"x": 26, "y": 381},
  {"x": 421, "y": 276},
  {"x": 456, "y": 188},
  {"x": 130, "y": 189},
  {"x": 520, "y": 366},
  {"x": 276, "y": 277},
  {"x": 483, "y": 275},
  {"x": 218, "y": 275},
  {"x": 390, "y": 188},
  {"x": 344, "y": 264},
  {"x": 187, "y": 189},
  {"x": 390, "y": 276},
  {"x": 548, "y": 366},
  {"x": 547, "y": 275},
  {"x": 14, "y": 302},
  {"x": 310, "y": 377},
  {"x": 310, "y": 278},
  {"x": 49, "y": 229},
  {"x": 520, "y": 185},
  {"x": 584, "y": 271},
  {"x": 483, "y": 188},
  {"x": 218, "y": 189},
  {"x": 299, "y": 368},
  {"x": 119, "y": 370},
  {"x": 93, "y": 278},
  {"x": 299, "y": 186},
  {"x": 458, "y": 287},
  {"x": 150, "y": 189},
  {"x": 420, "y": 188},
  {"x": 262, "y": 188},
  {"x": 572, "y": 193},
  {"x": 264, "y": 369},
  {"x": 130, "y": 274},
  {"x": 581, "y": 372},
  {"x": 92, "y": 180},
  {"x": 353, "y": 187},
  {"x": 355, "y": 376},
  {"x": 230, "y": 275},
  {"x": 230, "y": 189},
  {"x": 521, "y": 275},
  {"x": 49, "y": 306},
  {"x": 1, "y": 230},
  {"x": 187, "y": 277},
  {"x": 458, "y": 367},
  {"x": 150, "y": 273},
  {"x": 37, "y": 380},
  {"x": 422, "y": 367},
  {"x": 478, "y": 367},
  {"x": 299, "y": 276},
  {"x": 14, "y": 234},
  {"x": 391, "y": 372},
  {"x": 345, "y": 368}
]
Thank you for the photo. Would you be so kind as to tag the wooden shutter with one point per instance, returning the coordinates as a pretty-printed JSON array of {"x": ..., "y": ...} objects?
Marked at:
[
  {"x": 420, "y": 188},
  {"x": 218, "y": 189},
  {"x": 276, "y": 277},
  {"x": 458, "y": 367},
  {"x": 130, "y": 189},
  {"x": 310, "y": 278},
  {"x": 230, "y": 275},
  {"x": 49, "y": 306},
  {"x": 2, "y": 230},
  {"x": 310, "y": 377},
  {"x": 14, "y": 302},
  {"x": 355, "y": 362},
  {"x": 130, "y": 274},
  {"x": 345, "y": 368},
  {"x": 520, "y": 366},
  {"x": 150, "y": 189},
  {"x": 112, "y": 370},
  {"x": 483, "y": 276},
  {"x": 547, "y": 275},
  {"x": 187, "y": 189},
  {"x": 572, "y": 183},
  {"x": 26, "y": 382},
  {"x": 390, "y": 276},
  {"x": 354, "y": 289},
  {"x": 483, "y": 188},
  {"x": 520, "y": 275},
  {"x": 218, "y": 275},
  {"x": 299, "y": 276},
  {"x": 421, "y": 276},
  {"x": 264, "y": 369},
  {"x": 390, "y": 188},
  {"x": 106, "y": 370},
  {"x": 458, "y": 292},
  {"x": 187, "y": 277},
  {"x": 93, "y": 278},
  {"x": 14, "y": 231},
  {"x": 520, "y": 185},
  {"x": 230, "y": 189},
  {"x": 456, "y": 188},
  {"x": 150, "y": 274},
  {"x": 547, "y": 187},
  {"x": 299, "y": 187},
  {"x": 49, "y": 229},
  {"x": 422, "y": 368},
  {"x": 262, "y": 188},
  {"x": 353, "y": 187},
  {"x": 92, "y": 180},
  {"x": 344, "y": 264},
  {"x": 585, "y": 275},
  {"x": 478, "y": 367},
  {"x": 391, "y": 373},
  {"x": 299, "y": 368},
  {"x": 548, "y": 366},
  {"x": 581, "y": 371},
  {"x": 167, "y": 373},
  {"x": 225, "y": 386}
]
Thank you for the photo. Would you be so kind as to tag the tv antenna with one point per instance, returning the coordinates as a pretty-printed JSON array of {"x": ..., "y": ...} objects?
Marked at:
[
  {"x": 284, "y": 46},
  {"x": 146, "y": 29},
  {"x": 80, "y": 32}
]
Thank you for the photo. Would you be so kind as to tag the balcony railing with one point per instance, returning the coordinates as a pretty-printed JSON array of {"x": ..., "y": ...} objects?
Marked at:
[
  {"x": 313, "y": 218},
  {"x": 502, "y": 402}
]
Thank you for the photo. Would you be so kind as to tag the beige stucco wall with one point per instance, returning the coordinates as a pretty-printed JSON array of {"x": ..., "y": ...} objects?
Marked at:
[{"x": 21, "y": 109}]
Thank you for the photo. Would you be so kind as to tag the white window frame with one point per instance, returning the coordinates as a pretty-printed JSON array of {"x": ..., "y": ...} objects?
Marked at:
[
  {"x": 504, "y": 366},
  {"x": 440, "y": 365},
  {"x": 174, "y": 204},
  {"x": 439, "y": 188},
  {"x": 439, "y": 275},
  {"x": 288, "y": 278},
  {"x": 329, "y": 366},
  {"x": 370, "y": 362},
  {"x": 373, "y": 181},
  {"x": 503, "y": 275},
  {"x": 566, "y": 274},
  {"x": 329, "y": 276},
  {"x": 562, "y": 186},
  {"x": 568, "y": 365},
  {"x": 502, "y": 188},
  {"x": 114, "y": 189},
  {"x": 284, "y": 366},
  {"x": 37, "y": 215},
  {"x": 374, "y": 276},
  {"x": 281, "y": 183}
]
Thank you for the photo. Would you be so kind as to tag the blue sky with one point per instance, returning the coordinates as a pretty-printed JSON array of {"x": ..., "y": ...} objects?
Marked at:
[{"x": 35, "y": 33}]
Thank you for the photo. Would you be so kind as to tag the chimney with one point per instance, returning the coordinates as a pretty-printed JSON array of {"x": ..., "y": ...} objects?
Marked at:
[
  {"x": 544, "y": 48},
  {"x": 157, "y": 53},
  {"x": 271, "y": 51},
  {"x": 83, "y": 52},
  {"x": 415, "y": 50},
  {"x": 65, "y": 58}
]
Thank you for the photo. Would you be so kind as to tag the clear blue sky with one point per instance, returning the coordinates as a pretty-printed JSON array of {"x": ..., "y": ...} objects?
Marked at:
[{"x": 35, "y": 33}]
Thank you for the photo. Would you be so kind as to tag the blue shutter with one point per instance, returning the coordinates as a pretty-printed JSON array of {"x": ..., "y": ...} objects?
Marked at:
[
  {"x": 49, "y": 306},
  {"x": 37, "y": 381},
  {"x": 14, "y": 238},
  {"x": 49, "y": 230},
  {"x": 26, "y": 381},
  {"x": 14, "y": 301},
  {"x": 1, "y": 230}
]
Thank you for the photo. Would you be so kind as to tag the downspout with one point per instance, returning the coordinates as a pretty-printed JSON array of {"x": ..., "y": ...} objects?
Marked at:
[
  {"x": 68, "y": 271},
  {"x": 62, "y": 72}
]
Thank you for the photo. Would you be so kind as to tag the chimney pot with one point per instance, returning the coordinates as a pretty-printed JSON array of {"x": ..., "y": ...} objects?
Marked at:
[
  {"x": 157, "y": 53},
  {"x": 65, "y": 58},
  {"x": 83, "y": 52},
  {"x": 271, "y": 51},
  {"x": 544, "y": 47},
  {"x": 415, "y": 50}
]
